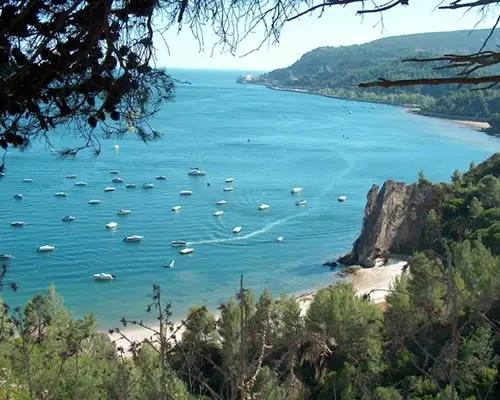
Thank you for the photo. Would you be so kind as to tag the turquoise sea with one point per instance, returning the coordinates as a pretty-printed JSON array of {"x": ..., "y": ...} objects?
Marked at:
[{"x": 295, "y": 140}]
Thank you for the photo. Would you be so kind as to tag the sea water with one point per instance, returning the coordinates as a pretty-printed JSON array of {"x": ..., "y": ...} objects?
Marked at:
[{"x": 269, "y": 142}]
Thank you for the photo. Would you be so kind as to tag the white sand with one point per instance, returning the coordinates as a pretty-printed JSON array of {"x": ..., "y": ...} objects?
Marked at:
[{"x": 377, "y": 280}]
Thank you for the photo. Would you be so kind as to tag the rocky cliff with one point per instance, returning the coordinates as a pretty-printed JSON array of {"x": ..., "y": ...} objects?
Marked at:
[{"x": 395, "y": 221}]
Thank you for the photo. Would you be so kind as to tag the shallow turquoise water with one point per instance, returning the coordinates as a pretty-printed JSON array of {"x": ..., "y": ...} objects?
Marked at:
[{"x": 296, "y": 139}]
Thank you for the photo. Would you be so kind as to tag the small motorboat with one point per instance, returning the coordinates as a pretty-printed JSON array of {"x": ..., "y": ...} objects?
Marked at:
[
  {"x": 170, "y": 264},
  {"x": 296, "y": 190},
  {"x": 196, "y": 172},
  {"x": 228, "y": 189},
  {"x": 46, "y": 249},
  {"x": 263, "y": 207},
  {"x": 109, "y": 189},
  {"x": 161, "y": 178},
  {"x": 68, "y": 218},
  {"x": 80, "y": 183},
  {"x": 185, "y": 193},
  {"x": 123, "y": 211},
  {"x": 117, "y": 180},
  {"x": 229, "y": 180},
  {"x": 187, "y": 250},
  {"x": 342, "y": 198},
  {"x": 71, "y": 176},
  {"x": 18, "y": 196},
  {"x": 117, "y": 147},
  {"x": 237, "y": 229},
  {"x": 280, "y": 238},
  {"x": 221, "y": 202},
  {"x": 112, "y": 225},
  {"x": 176, "y": 208},
  {"x": 148, "y": 186},
  {"x": 27, "y": 180},
  {"x": 218, "y": 213},
  {"x": 4, "y": 256},
  {"x": 17, "y": 224},
  {"x": 114, "y": 172},
  {"x": 60, "y": 194},
  {"x": 179, "y": 243},
  {"x": 133, "y": 238},
  {"x": 2, "y": 174},
  {"x": 301, "y": 203},
  {"x": 130, "y": 186},
  {"x": 104, "y": 277},
  {"x": 93, "y": 202}
]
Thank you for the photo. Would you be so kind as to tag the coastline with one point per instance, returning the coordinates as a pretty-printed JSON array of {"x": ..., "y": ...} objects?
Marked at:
[
  {"x": 375, "y": 281},
  {"x": 478, "y": 125}
]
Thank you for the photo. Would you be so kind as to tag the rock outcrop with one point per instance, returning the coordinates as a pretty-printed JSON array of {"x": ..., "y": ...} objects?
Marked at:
[{"x": 395, "y": 220}]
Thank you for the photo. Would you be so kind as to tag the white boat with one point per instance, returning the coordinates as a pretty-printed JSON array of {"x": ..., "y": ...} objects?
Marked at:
[
  {"x": 123, "y": 211},
  {"x": 218, "y": 213},
  {"x": 68, "y": 218},
  {"x": 342, "y": 198},
  {"x": 161, "y": 178},
  {"x": 176, "y": 208},
  {"x": 104, "y": 277},
  {"x": 27, "y": 180},
  {"x": 117, "y": 147},
  {"x": 301, "y": 202},
  {"x": 185, "y": 193},
  {"x": 94, "y": 201},
  {"x": 109, "y": 189},
  {"x": 187, "y": 250},
  {"x": 17, "y": 223},
  {"x": 148, "y": 186},
  {"x": 229, "y": 180},
  {"x": 171, "y": 264},
  {"x": 296, "y": 190},
  {"x": 81, "y": 183},
  {"x": 18, "y": 196},
  {"x": 264, "y": 206},
  {"x": 130, "y": 186},
  {"x": 228, "y": 189},
  {"x": 71, "y": 176},
  {"x": 2, "y": 174},
  {"x": 4, "y": 256},
  {"x": 112, "y": 225},
  {"x": 221, "y": 202},
  {"x": 196, "y": 172},
  {"x": 114, "y": 172},
  {"x": 117, "y": 180},
  {"x": 237, "y": 229},
  {"x": 46, "y": 249},
  {"x": 178, "y": 243},
  {"x": 60, "y": 194},
  {"x": 280, "y": 238},
  {"x": 133, "y": 238}
]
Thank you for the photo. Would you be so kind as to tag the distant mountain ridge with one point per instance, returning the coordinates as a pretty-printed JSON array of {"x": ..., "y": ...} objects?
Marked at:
[{"x": 337, "y": 71}]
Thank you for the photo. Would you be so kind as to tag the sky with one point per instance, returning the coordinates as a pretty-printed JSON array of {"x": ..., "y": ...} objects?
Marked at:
[{"x": 337, "y": 27}]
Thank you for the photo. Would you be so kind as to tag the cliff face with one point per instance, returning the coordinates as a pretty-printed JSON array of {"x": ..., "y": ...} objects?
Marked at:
[{"x": 395, "y": 220}]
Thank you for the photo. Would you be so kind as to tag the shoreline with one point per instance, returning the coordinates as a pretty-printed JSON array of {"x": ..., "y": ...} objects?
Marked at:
[
  {"x": 374, "y": 281},
  {"x": 477, "y": 125}
]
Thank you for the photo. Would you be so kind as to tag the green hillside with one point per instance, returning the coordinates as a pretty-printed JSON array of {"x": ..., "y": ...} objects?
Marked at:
[{"x": 337, "y": 71}]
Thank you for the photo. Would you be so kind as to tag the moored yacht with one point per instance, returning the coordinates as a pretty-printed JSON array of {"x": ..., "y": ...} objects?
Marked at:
[
  {"x": 4, "y": 256},
  {"x": 18, "y": 196},
  {"x": 103, "y": 276},
  {"x": 130, "y": 186},
  {"x": 123, "y": 211},
  {"x": 114, "y": 172},
  {"x": 185, "y": 193},
  {"x": 301, "y": 202},
  {"x": 237, "y": 229},
  {"x": 218, "y": 213},
  {"x": 161, "y": 178},
  {"x": 17, "y": 224},
  {"x": 46, "y": 249},
  {"x": 80, "y": 183},
  {"x": 196, "y": 172},
  {"x": 187, "y": 250},
  {"x": 263, "y": 207},
  {"x": 133, "y": 238},
  {"x": 221, "y": 202},
  {"x": 228, "y": 189},
  {"x": 117, "y": 180},
  {"x": 280, "y": 238},
  {"x": 112, "y": 225},
  {"x": 93, "y": 202},
  {"x": 60, "y": 194},
  {"x": 176, "y": 208},
  {"x": 109, "y": 189},
  {"x": 342, "y": 198},
  {"x": 68, "y": 218},
  {"x": 179, "y": 243},
  {"x": 229, "y": 180},
  {"x": 27, "y": 180},
  {"x": 71, "y": 176},
  {"x": 170, "y": 264},
  {"x": 148, "y": 186},
  {"x": 296, "y": 190}
]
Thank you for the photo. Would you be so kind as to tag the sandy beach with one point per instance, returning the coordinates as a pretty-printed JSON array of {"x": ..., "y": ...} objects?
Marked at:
[{"x": 376, "y": 281}]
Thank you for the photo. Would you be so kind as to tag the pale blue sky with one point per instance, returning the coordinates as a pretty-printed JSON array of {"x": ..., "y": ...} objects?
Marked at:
[{"x": 338, "y": 26}]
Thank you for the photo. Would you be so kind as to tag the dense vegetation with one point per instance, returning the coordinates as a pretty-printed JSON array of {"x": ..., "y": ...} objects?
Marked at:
[
  {"x": 436, "y": 339},
  {"x": 337, "y": 71}
]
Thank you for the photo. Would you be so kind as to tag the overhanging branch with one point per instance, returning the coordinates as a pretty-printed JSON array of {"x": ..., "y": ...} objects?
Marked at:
[{"x": 431, "y": 81}]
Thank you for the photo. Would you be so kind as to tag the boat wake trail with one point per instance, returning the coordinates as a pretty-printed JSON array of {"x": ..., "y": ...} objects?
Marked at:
[{"x": 251, "y": 234}]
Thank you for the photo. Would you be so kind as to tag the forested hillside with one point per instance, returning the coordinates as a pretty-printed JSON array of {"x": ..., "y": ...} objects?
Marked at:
[
  {"x": 435, "y": 339},
  {"x": 336, "y": 71}
]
